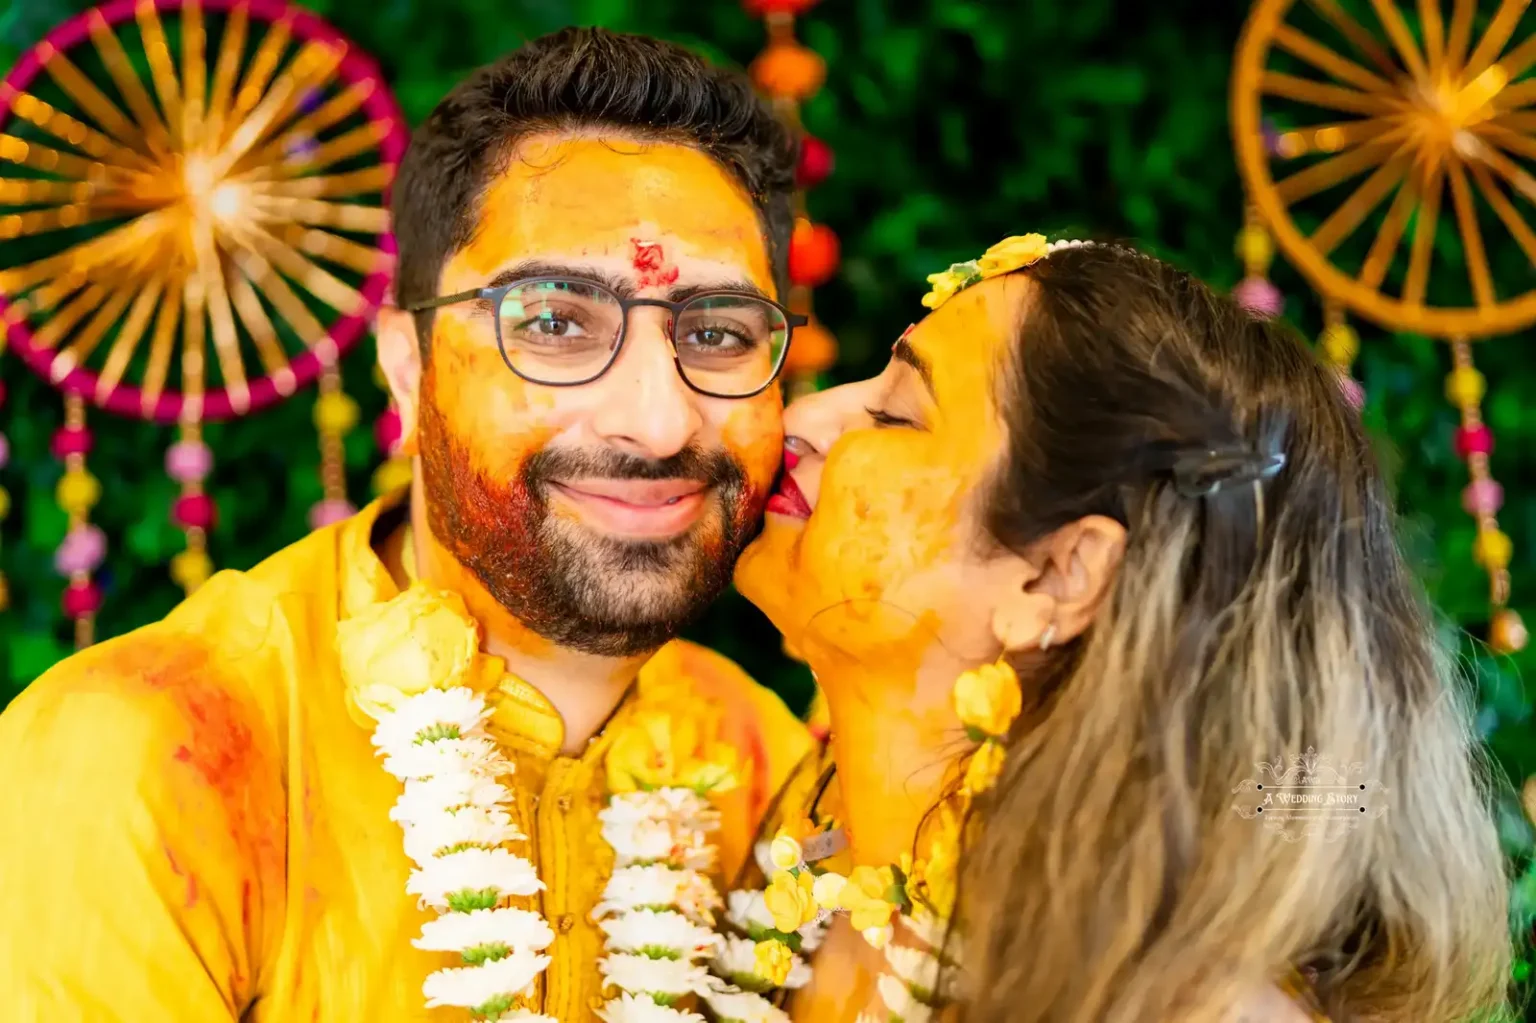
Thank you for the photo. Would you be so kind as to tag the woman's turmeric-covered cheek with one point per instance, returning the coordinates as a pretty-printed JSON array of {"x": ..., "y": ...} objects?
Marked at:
[{"x": 887, "y": 511}]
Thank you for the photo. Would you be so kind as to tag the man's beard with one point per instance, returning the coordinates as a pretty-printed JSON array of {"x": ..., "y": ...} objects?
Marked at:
[{"x": 575, "y": 587}]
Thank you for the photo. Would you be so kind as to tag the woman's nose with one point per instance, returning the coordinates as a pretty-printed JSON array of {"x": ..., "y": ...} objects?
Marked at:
[{"x": 814, "y": 423}]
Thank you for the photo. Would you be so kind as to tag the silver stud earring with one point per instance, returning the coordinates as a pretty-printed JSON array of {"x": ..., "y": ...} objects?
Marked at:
[{"x": 1047, "y": 636}]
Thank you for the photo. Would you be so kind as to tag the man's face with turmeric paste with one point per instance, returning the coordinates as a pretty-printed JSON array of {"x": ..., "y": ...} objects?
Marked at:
[{"x": 602, "y": 515}]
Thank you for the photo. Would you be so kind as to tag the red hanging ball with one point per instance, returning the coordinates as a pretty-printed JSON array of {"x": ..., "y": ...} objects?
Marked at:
[
  {"x": 194, "y": 511},
  {"x": 813, "y": 255},
  {"x": 72, "y": 440},
  {"x": 815, "y": 164},
  {"x": 2, "y": 392},
  {"x": 759, "y": 8},
  {"x": 386, "y": 432},
  {"x": 81, "y": 599},
  {"x": 1473, "y": 440}
]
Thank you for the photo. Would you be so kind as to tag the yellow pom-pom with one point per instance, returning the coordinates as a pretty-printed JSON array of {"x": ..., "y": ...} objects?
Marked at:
[
  {"x": 1493, "y": 549},
  {"x": 393, "y": 475},
  {"x": 191, "y": 568},
  {"x": 1465, "y": 386},
  {"x": 1255, "y": 249},
  {"x": 78, "y": 492},
  {"x": 5, "y": 503},
  {"x": 1340, "y": 343},
  {"x": 335, "y": 413}
]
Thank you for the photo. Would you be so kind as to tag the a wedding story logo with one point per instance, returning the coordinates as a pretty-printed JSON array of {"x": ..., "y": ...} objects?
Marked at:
[{"x": 1310, "y": 795}]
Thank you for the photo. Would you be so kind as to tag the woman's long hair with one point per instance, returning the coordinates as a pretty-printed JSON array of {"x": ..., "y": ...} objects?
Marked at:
[{"x": 1250, "y": 625}]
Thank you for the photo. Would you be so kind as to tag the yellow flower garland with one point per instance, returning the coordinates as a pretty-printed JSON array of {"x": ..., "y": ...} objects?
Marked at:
[{"x": 1005, "y": 257}]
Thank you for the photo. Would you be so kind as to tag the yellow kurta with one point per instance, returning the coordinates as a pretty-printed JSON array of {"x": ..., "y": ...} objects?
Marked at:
[{"x": 195, "y": 829}]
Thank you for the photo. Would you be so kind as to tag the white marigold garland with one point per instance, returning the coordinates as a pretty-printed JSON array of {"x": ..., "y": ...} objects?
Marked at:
[{"x": 457, "y": 823}]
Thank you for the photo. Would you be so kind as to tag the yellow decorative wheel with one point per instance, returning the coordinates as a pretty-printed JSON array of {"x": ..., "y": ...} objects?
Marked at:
[
  {"x": 193, "y": 204},
  {"x": 1385, "y": 144}
]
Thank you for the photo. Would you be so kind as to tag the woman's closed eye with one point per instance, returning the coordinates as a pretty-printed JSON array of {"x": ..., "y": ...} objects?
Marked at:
[{"x": 882, "y": 418}]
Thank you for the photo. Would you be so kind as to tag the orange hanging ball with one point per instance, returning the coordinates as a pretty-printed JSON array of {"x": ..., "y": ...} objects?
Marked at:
[
  {"x": 812, "y": 350},
  {"x": 813, "y": 254},
  {"x": 759, "y": 8},
  {"x": 1506, "y": 634},
  {"x": 789, "y": 71}
]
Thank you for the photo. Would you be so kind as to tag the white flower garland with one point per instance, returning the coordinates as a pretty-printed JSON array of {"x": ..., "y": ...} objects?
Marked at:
[
  {"x": 658, "y": 907},
  {"x": 457, "y": 822}
]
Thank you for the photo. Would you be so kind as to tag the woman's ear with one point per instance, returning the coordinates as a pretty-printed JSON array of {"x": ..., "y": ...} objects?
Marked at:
[
  {"x": 1053, "y": 595},
  {"x": 1084, "y": 561}
]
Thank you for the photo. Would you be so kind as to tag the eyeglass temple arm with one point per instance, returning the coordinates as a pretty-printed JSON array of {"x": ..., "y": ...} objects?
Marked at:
[{"x": 442, "y": 300}]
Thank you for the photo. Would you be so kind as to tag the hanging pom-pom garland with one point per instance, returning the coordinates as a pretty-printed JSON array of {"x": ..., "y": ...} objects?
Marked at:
[
  {"x": 5, "y": 495},
  {"x": 190, "y": 462},
  {"x": 84, "y": 546},
  {"x": 1256, "y": 249},
  {"x": 1340, "y": 344},
  {"x": 395, "y": 472},
  {"x": 1483, "y": 497},
  {"x": 336, "y": 415},
  {"x": 789, "y": 74}
]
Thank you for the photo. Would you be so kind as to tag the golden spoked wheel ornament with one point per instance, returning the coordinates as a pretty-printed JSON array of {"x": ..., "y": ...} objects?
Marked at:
[
  {"x": 193, "y": 225},
  {"x": 1387, "y": 146},
  {"x": 234, "y": 198}
]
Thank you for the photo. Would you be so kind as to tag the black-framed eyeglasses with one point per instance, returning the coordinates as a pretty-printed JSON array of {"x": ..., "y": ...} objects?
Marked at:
[{"x": 563, "y": 332}]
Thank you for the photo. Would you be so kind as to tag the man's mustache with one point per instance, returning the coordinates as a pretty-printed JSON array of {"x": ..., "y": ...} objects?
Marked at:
[{"x": 712, "y": 468}]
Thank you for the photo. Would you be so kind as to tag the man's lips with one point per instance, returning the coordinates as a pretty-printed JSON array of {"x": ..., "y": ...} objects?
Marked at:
[
  {"x": 638, "y": 509},
  {"x": 788, "y": 499}
]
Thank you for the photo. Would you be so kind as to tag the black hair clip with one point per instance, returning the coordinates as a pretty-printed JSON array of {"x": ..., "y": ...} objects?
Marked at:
[{"x": 1202, "y": 472}]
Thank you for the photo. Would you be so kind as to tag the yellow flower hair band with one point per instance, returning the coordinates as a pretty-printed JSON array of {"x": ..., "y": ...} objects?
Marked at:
[{"x": 1005, "y": 257}]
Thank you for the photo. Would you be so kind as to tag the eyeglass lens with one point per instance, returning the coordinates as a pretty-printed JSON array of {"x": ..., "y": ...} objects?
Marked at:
[{"x": 564, "y": 332}]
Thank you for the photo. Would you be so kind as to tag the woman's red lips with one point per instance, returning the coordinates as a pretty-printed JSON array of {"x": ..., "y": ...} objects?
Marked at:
[{"x": 788, "y": 500}]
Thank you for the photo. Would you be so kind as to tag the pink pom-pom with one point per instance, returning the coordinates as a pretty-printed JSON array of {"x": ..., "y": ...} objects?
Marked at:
[
  {"x": 188, "y": 461},
  {"x": 1354, "y": 394},
  {"x": 71, "y": 440},
  {"x": 5, "y": 451},
  {"x": 81, "y": 599},
  {"x": 83, "y": 549},
  {"x": 1473, "y": 440},
  {"x": 1482, "y": 497},
  {"x": 330, "y": 512},
  {"x": 386, "y": 432},
  {"x": 194, "y": 511},
  {"x": 1259, "y": 297}
]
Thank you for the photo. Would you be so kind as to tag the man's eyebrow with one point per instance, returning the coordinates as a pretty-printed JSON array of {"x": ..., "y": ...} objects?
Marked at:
[
  {"x": 902, "y": 351},
  {"x": 684, "y": 292},
  {"x": 620, "y": 286}
]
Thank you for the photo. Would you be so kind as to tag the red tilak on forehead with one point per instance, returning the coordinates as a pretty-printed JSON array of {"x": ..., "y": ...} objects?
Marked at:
[{"x": 651, "y": 267}]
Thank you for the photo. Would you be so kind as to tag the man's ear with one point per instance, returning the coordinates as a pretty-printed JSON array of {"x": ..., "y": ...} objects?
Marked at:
[{"x": 400, "y": 362}]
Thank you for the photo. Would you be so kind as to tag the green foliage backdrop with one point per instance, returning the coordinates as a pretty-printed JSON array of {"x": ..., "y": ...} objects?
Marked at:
[{"x": 954, "y": 122}]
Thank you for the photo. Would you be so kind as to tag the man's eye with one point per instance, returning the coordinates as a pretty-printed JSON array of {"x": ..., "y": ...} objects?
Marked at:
[{"x": 882, "y": 418}]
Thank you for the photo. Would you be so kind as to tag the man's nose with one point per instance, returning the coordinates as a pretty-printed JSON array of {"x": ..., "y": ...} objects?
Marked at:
[{"x": 649, "y": 409}]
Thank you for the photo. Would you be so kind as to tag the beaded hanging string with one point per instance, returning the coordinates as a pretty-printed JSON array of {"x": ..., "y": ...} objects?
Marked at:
[
  {"x": 189, "y": 462},
  {"x": 84, "y": 546},
  {"x": 1256, "y": 249},
  {"x": 5, "y": 495},
  {"x": 1483, "y": 496},
  {"x": 1340, "y": 344},
  {"x": 789, "y": 74},
  {"x": 336, "y": 415},
  {"x": 395, "y": 471}
]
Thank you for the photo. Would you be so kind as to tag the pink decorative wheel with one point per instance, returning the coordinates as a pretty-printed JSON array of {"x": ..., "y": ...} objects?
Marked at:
[{"x": 193, "y": 211}]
